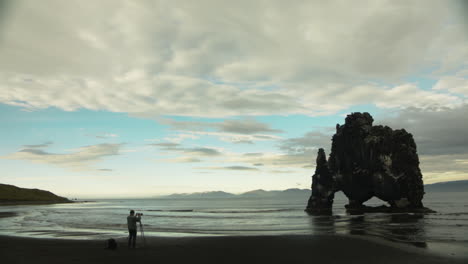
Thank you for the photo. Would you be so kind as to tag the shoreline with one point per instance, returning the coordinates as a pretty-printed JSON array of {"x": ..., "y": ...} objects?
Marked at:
[
  {"x": 12, "y": 203},
  {"x": 224, "y": 249},
  {"x": 5, "y": 203}
]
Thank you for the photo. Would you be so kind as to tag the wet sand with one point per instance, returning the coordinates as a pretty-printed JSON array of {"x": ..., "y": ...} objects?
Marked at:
[{"x": 258, "y": 249}]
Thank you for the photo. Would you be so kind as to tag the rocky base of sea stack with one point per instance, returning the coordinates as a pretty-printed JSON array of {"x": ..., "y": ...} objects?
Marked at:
[{"x": 361, "y": 209}]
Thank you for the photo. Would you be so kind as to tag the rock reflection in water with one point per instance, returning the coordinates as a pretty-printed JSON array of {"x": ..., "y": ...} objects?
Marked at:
[
  {"x": 404, "y": 227},
  {"x": 357, "y": 225},
  {"x": 323, "y": 224},
  {"x": 408, "y": 228}
]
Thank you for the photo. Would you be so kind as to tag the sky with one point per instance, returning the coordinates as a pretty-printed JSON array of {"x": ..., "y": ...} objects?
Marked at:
[{"x": 142, "y": 98}]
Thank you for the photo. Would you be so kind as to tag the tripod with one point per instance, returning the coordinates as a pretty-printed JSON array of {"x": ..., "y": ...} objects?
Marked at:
[{"x": 142, "y": 234}]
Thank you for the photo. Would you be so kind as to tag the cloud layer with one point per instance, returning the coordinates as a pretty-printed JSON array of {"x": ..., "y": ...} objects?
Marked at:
[
  {"x": 245, "y": 130},
  {"x": 437, "y": 131},
  {"x": 79, "y": 159},
  {"x": 218, "y": 59},
  {"x": 236, "y": 60}
]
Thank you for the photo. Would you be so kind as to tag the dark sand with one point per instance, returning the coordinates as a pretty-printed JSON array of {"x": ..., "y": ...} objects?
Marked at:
[
  {"x": 7, "y": 214},
  {"x": 260, "y": 249}
]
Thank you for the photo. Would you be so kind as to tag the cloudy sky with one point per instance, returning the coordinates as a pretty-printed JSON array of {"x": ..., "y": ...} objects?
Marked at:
[{"x": 137, "y": 98}]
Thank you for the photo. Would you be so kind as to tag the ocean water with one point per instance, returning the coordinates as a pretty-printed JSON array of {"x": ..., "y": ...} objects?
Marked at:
[{"x": 102, "y": 219}]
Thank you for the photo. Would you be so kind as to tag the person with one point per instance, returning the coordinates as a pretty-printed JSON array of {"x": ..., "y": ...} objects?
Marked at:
[{"x": 132, "y": 227}]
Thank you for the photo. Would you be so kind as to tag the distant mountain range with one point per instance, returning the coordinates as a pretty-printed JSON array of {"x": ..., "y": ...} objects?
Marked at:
[
  {"x": 452, "y": 186},
  {"x": 199, "y": 195},
  {"x": 10, "y": 194},
  {"x": 251, "y": 194}
]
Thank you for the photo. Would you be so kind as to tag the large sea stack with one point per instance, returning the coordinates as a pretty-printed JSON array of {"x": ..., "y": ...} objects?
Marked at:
[{"x": 367, "y": 161}]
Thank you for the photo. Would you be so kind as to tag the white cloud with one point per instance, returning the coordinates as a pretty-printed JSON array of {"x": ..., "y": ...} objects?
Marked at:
[
  {"x": 292, "y": 160},
  {"x": 38, "y": 146},
  {"x": 440, "y": 168},
  {"x": 443, "y": 163},
  {"x": 232, "y": 168},
  {"x": 246, "y": 126},
  {"x": 78, "y": 159},
  {"x": 107, "y": 135},
  {"x": 297, "y": 160},
  {"x": 444, "y": 176},
  {"x": 237, "y": 138},
  {"x": 183, "y": 159},
  {"x": 409, "y": 95},
  {"x": 178, "y": 138},
  {"x": 335, "y": 97},
  {"x": 310, "y": 141},
  {"x": 189, "y": 151},
  {"x": 245, "y": 130},
  {"x": 454, "y": 84},
  {"x": 218, "y": 59}
]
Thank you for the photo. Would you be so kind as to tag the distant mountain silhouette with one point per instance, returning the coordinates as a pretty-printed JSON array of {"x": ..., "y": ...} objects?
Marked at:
[
  {"x": 10, "y": 194},
  {"x": 251, "y": 194},
  {"x": 284, "y": 193},
  {"x": 451, "y": 186},
  {"x": 259, "y": 193},
  {"x": 199, "y": 195}
]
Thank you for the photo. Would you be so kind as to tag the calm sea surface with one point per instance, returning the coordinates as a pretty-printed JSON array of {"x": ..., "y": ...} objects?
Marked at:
[{"x": 448, "y": 228}]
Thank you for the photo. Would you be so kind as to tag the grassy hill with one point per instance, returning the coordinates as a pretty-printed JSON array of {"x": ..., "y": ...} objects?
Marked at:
[{"x": 10, "y": 194}]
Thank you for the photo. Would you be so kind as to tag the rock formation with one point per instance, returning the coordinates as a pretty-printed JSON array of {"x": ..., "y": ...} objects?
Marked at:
[
  {"x": 367, "y": 161},
  {"x": 323, "y": 190}
]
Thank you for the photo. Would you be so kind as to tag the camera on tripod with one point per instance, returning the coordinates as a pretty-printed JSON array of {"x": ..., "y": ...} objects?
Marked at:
[{"x": 139, "y": 214}]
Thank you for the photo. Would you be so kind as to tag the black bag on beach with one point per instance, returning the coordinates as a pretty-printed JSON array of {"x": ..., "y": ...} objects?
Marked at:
[{"x": 111, "y": 244}]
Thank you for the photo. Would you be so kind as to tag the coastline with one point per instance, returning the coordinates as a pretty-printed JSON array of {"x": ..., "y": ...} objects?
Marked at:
[
  {"x": 224, "y": 249},
  {"x": 7, "y": 203},
  {"x": 4, "y": 203}
]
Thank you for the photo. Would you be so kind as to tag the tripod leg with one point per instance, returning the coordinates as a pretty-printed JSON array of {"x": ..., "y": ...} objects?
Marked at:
[{"x": 142, "y": 235}]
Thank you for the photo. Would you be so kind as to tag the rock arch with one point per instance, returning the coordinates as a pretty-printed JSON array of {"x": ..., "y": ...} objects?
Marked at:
[{"x": 368, "y": 161}]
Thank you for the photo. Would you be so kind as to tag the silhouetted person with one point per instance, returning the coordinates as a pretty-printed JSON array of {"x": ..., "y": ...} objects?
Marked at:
[{"x": 132, "y": 228}]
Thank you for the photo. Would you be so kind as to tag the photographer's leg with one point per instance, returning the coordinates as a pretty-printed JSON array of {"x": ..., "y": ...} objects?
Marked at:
[{"x": 131, "y": 238}]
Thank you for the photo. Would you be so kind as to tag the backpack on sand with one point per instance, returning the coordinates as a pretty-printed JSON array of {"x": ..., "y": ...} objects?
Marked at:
[{"x": 111, "y": 244}]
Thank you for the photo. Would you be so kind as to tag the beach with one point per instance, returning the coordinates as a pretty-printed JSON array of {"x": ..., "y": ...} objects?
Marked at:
[
  {"x": 225, "y": 249},
  {"x": 232, "y": 231}
]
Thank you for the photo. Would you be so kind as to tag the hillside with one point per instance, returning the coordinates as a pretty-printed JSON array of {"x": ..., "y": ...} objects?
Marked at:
[
  {"x": 10, "y": 194},
  {"x": 452, "y": 186}
]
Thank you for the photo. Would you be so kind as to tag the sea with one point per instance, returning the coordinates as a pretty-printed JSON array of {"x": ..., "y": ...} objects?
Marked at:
[{"x": 443, "y": 231}]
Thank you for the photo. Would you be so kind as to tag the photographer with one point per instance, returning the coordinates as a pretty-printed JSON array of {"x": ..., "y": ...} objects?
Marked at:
[{"x": 132, "y": 227}]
